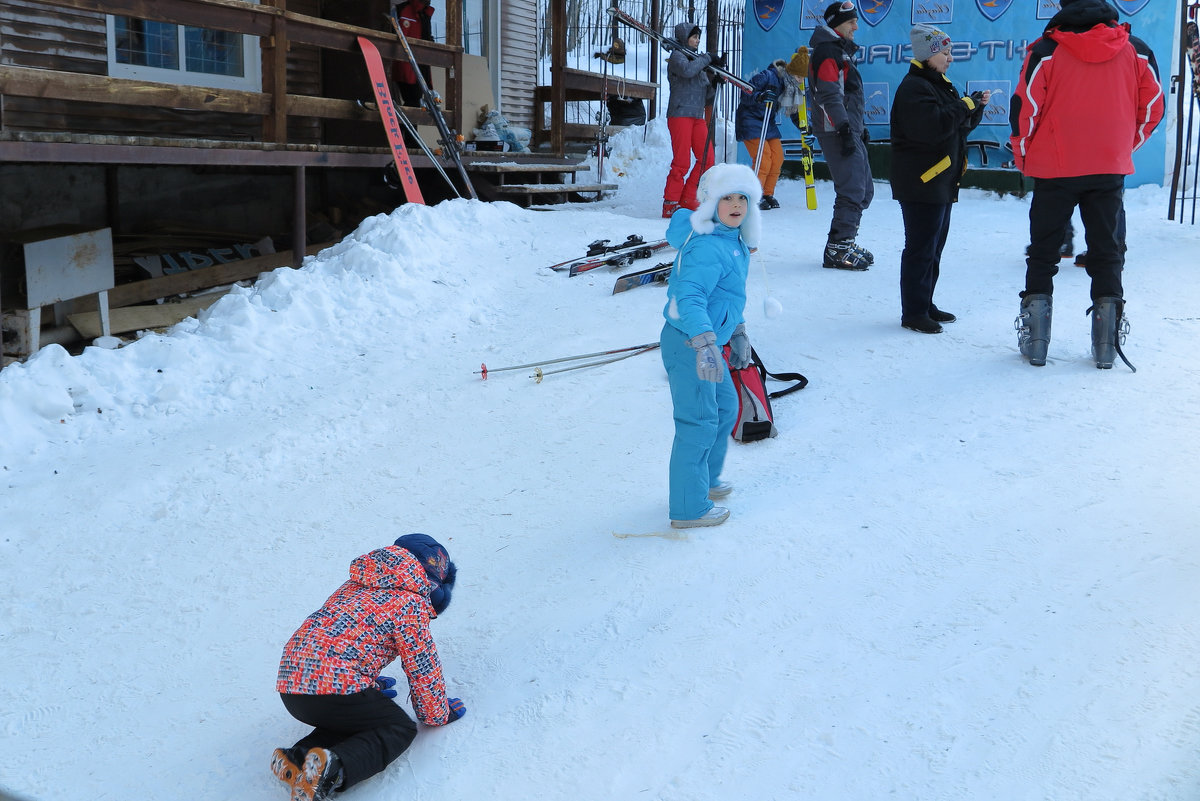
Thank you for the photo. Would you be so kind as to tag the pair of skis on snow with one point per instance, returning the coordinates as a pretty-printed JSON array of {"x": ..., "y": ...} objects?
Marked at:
[
  {"x": 394, "y": 119},
  {"x": 601, "y": 254}
]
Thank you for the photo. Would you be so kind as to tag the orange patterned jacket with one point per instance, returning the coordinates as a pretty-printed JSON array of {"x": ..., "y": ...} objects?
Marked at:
[{"x": 380, "y": 614}]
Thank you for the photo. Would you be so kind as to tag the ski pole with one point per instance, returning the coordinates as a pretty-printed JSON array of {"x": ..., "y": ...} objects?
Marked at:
[
  {"x": 538, "y": 374},
  {"x": 762, "y": 136},
  {"x": 412, "y": 131},
  {"x": 484, "y": 370}
]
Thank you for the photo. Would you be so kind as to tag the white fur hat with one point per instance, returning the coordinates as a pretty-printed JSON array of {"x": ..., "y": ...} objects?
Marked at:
[{"x": 726, "y": 179}]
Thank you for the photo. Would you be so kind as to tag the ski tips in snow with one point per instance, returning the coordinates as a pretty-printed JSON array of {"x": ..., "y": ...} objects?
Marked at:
[
  {"x": 658, "y": 274},
  {"x": 666, "y": 535}
]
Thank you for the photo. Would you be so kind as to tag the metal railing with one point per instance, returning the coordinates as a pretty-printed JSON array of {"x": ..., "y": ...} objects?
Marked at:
[{"x": 594, "y": 33}]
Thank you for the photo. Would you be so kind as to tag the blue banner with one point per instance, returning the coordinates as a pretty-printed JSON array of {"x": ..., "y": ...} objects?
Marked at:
[{"x": 989, "y": 42}]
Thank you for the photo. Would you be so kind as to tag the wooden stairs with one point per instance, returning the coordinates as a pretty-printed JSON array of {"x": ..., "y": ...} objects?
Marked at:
[{"x": 531, "y": 179}]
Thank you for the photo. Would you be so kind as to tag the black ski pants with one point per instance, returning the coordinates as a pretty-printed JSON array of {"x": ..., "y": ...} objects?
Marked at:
[
  {"x": 926, "y": 226},
  {"x": 1101, "y": 200},
  {"x": 367, "y": 730}
]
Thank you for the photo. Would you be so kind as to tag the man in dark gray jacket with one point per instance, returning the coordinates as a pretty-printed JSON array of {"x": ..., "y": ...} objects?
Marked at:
[{"x": 835, "y": 96}]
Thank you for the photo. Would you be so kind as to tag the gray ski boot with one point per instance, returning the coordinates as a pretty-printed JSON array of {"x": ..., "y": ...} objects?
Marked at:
[
  {"x": 1033, "y": 327},
  {"x": 1109, "y": 328}
]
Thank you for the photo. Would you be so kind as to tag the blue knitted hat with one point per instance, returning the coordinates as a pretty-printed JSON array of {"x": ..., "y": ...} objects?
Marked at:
[{"x": 438, "y": 567}]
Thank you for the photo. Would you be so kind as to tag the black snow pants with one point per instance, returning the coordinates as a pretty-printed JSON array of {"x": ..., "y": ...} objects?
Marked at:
[
  {"x": 1101, "y": 201},
  {"x": 367, "y": 730}
]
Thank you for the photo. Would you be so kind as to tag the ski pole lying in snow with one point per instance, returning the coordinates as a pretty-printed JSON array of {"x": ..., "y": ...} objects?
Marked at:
[
  {"x": 539, "y": 374},
  {"x": 483, "y": 371}
]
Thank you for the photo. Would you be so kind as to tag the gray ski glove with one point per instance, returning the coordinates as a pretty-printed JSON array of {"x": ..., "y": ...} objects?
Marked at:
[
  {"x": 739, "y": 348},
  {"x": 708, "y": 357}
]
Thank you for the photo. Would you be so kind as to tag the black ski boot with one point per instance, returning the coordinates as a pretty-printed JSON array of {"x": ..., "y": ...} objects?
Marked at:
[
  {"x": 844, "y": 255},
  {"x": 768, "y": 202},
  {"x": 1033, "y": 327},
  {"x": 867, "y": 255},
  {"x": 1109, "y": 328}
]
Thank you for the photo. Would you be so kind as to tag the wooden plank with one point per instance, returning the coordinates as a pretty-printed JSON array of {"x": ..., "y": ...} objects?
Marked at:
[
  {"x": 513, "y": 167},
  {"x": 221, "y": 15},
  {"x": 593, "y": 82},
  {"x": 140, "y": 318},
  {"x": 545, "y": 189},
  {"x": 218, "y": 274},
  {"x": 101, "y": 89}
]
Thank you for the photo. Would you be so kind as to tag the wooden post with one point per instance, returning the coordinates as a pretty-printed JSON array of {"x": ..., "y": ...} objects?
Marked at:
[
  {"x": 712, "y": 27},
  {"x": 454, "y": 36},
  {"x": 299, "y": 220},
  {"x": 558, "y": 88},
  {"x": 656, "y": 24},
  {"x": 274, "y": 75}
]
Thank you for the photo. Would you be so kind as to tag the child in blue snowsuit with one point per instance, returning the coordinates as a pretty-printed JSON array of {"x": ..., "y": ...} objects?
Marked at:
[{"x": 706, "y": 296}]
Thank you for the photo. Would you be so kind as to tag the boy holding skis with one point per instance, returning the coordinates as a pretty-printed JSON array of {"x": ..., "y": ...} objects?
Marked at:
[
  {"x": 706, "y": 296},
  {"x": 329, "y": 676}
]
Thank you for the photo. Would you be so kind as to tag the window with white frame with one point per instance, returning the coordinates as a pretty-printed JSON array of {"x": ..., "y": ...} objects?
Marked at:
[{"x": 167, "y": 53}]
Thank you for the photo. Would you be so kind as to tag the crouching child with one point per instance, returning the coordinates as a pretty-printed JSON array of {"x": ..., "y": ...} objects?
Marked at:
[{"x": 329, "y": 676}]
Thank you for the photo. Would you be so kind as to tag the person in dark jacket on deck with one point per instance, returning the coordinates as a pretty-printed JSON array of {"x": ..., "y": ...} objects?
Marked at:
[{"x": 930, "y": 123}]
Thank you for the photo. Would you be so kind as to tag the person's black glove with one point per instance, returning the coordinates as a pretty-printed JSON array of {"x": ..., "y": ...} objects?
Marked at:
[
  {"x": 847, "y": 136},
  {"x": 765, "y": 96},
  {"x": 977, "y": 98},
  {"x": 720, "y": 62}
]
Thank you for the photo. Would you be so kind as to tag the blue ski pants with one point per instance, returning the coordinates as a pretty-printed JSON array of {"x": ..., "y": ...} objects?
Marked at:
[{"x": 705, "y": 414}]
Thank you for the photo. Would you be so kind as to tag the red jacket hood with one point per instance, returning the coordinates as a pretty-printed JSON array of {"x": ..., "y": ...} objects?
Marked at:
[
  {"x": 393, "y": 568},
  {"x": 1101, "y": 43}
]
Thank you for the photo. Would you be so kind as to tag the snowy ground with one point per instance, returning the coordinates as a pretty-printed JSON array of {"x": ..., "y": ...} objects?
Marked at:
[{"x": 952, "y": 576}]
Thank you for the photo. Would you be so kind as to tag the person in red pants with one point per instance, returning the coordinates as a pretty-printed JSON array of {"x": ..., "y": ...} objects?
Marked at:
[{"x": 687, "y": 120}]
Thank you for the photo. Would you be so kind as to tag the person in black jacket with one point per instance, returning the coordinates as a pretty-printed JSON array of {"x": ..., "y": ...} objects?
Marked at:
[{"x": 930, "y": 122}]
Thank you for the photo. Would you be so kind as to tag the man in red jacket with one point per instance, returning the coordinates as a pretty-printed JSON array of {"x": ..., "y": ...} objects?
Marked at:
[{"x": 1088, "y": 97}]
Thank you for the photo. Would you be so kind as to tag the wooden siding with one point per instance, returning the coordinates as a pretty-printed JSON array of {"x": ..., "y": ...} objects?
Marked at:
[
  {"x": 45, "y": 37},
  {"x": 518, "y": 60},
  {"x": 41, "y": 36}
]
